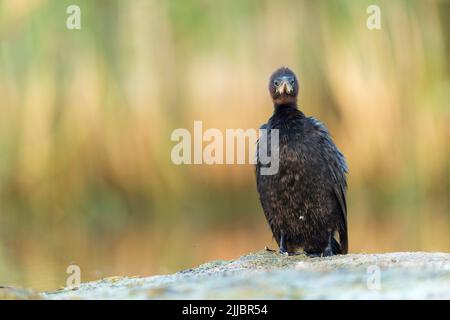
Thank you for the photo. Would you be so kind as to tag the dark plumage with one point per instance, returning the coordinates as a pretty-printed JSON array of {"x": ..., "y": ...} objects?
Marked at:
[{"x": 304, "y": 202}]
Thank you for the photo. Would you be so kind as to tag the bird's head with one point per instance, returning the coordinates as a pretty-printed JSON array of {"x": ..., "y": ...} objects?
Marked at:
[{"x": 283, "y": 87}]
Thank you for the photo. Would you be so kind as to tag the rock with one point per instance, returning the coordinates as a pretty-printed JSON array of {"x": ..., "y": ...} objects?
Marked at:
[
  {"x": 269, "y": 275},
  {"x": 11, "y": 293}
]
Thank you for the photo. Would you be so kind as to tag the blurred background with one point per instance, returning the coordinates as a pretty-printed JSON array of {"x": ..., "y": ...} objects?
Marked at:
[{"x": 86, "y": 117}]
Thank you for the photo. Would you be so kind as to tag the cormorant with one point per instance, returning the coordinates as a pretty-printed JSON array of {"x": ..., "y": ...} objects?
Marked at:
[{"x": 305, "y": 201}]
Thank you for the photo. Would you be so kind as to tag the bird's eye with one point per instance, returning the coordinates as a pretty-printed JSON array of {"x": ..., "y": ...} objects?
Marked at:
[
  {"x": 276, "y": 82},
  {"x": 292, "y": 82}
]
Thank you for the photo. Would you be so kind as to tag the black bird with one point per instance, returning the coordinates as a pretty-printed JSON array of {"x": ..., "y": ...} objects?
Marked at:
[{"x": 305, "y": 201}]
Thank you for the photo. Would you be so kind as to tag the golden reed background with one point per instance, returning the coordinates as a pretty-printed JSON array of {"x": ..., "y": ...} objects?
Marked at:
[{"x": 86, "y": 117}]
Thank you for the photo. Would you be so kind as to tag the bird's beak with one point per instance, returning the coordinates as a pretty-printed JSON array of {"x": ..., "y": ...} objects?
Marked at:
[{"x": 285, "y": 87}]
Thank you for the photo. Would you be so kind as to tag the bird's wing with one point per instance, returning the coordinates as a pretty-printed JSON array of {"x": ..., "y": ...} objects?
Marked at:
[
  {"x": 262, "y": 187},
  {"x": 263, "y": 127},
  {"x": 338, "y": 170}
]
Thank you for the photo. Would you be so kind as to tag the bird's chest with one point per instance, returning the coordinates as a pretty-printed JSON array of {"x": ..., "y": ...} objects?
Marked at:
[
  {"x": 298, "y": 158},
  {"x": 297, "y": 188}
]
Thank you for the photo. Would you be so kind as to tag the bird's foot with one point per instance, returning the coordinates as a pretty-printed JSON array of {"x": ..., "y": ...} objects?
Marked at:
[
  {"x": 310, "y": 254},
  {"x": 283, "y": 252},
  {"x": 295, "y": 253},
  {"x": 287, "y": 253}
]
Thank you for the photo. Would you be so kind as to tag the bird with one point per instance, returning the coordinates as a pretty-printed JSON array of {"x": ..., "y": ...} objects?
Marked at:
[{"x": 304, "y": 202}]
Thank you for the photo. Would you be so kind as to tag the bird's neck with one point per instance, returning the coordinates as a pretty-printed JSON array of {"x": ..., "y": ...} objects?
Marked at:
[
  {"x": 287, "y": 109},
  {"x": 286, "y": 117}
]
